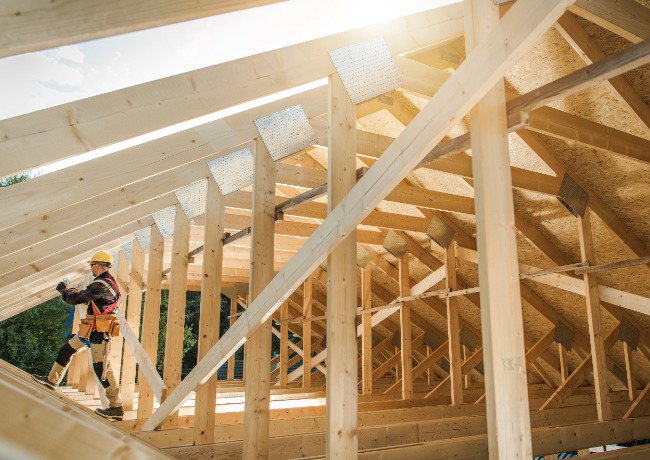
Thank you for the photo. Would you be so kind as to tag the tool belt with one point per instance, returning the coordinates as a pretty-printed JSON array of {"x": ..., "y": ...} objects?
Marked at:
[{"x": 100, "y": 323}]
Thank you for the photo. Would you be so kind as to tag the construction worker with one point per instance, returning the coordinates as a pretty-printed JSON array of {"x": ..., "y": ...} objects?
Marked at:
[{"x": 102, "y": 297}]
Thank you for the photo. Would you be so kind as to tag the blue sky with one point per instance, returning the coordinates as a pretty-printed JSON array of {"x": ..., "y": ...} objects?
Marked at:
[{"x": 39, "y": 80}]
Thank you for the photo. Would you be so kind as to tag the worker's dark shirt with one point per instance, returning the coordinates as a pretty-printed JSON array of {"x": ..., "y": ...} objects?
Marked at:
[{"x": 96, "y": 291}]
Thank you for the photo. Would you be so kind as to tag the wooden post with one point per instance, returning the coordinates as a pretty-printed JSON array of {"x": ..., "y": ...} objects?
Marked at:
[
  {"x": 366, "y": 322},
  {"x": 151, "y": 318},
  {"x": 231, "y": 360},
  {"x": 206, "y": 394},
  {"x": 284, "y": 343},
  {"x": 598, "y": 354},
  {"x": 405, "y": 327},
  {"x": 176, "y": 308},
  {"x": 453, "y": 327},
  {"x": 342, "y": 392},
  {"x": 133, "y": 312},
  {"x": 629, "y": 369},
  {"x": 306, "y": 332},
  {"x": 564, "y": 365},
  {"x": 73, "y": 370},
  {"x": 117, "y": 346},
  {"x": 258, "y": 346},
  {"x": 504, "y": 354}
]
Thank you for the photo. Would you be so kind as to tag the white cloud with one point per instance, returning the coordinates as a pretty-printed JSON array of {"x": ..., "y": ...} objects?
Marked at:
[{"x": 71, "y": 53}]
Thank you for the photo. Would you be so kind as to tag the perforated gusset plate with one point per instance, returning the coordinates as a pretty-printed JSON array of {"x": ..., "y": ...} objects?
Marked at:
[
  {"x": 233, "y": 171},
  {"x": 165, "y": 221},
  {"x": 440, "y": 232},
  {"x": 573, "y": 197},
  {"x": 192, "y": 198},
  {"x": 144, "y": 238},
  {"x": 564, "y": 335},
  {"x": 395, "y": 244},
  {"x": 468, "y": 339},
  {"x": 127, "y": 249},
  {"x": 286, "y": 132},
  {"x": 363, "y": 256},
  {"x": 367, "y": 69}
]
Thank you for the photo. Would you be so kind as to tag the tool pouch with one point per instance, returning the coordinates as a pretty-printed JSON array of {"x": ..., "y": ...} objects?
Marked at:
[
  {"x": 103, "y": 323},
  {"x": 85, "y": 328},
  {"x": 115, "y": 328}
]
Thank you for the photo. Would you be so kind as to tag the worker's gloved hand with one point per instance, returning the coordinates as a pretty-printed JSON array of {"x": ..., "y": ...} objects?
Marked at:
[{"x": 61, "y": 286}]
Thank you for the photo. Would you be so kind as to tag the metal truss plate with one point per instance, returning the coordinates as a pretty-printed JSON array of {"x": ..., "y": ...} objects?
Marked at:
[
  {"x": 165, "y": 221},
  {"x": 468, "y": 339},
  {"x": 127, "y": 249},
  {"x": 144, "y": 238},
  {"x": 192, "y": 198},
  {"x": 233, "y": 171},
  {"x": 367, "y": 69},
  {"x": 440, "y": 232},
  {"x": 286, "y": 132},
  {"x": 363, "y": 256},
  {"x": 629, "y": 333},
  {"x": 432, "y": 340},
  {"x": 395, "y": 244},
  {"x": 397, "y": 340},
  {"x": 564, "y": 335},
  {"x": 573, "y": 197}
]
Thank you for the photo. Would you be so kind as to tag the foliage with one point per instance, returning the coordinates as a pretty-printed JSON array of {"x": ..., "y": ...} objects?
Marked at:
[
  {"x": 15, "y": 179},
  {"x": 31, "y": 340}
]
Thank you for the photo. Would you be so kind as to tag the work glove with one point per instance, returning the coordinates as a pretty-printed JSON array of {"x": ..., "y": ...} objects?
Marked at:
[{"x": 61, "y": 286}]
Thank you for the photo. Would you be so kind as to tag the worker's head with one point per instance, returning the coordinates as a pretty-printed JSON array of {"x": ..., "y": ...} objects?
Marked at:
[{"x": 100, "y": 262}]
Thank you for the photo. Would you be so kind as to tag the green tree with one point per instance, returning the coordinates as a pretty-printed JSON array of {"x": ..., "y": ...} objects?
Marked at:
[{"x": 31, "y": 339}]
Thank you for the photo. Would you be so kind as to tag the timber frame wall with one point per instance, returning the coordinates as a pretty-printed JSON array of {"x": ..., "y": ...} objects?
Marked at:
[{"x": 384, "y": 353}]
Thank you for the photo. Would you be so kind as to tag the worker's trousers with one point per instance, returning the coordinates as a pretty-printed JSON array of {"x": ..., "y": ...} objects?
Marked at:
[{"x": 74, "y": 346}]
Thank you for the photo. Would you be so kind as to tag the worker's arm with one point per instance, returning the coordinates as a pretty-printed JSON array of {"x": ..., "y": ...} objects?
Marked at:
[{"x": 92, "y": 292}]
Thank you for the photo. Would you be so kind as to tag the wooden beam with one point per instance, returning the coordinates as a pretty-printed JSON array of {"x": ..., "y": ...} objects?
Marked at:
[
  {"x": 42, "y": 24},
  {"x": 155, "y": 157},
  {"x": 307, "y": 302},
  {"x": 257, "y": 365},
  {"x": 616, "y": 64},
  {"x": 133, "y": 314},
  {"x": 626, "y": 18},
  {"x": 30, "y": 407},
  {"x": 341, "y": 433},
  {"x": 602, "y": 211},
  {"x": 629, "y": 370},
  {"x": 590, "y": 51},
  {"x": 176, "y": 307},
  {"x": 210, "y": 311},
  {"x": 284, "y": 343},
  {"x": 151, "y": 318},
  {"x": 453, "y": 326},
  {"x": 145, "y": 108},
  {"x": 233, "y": 318},
  {"x": 598, "y": 354},
  {"x": 122, "y": 279},
  {"x": 405, "y": 329},
  {"x": 366, "y": 325},
  {"x": 562, "y": 125},
  {"x": 520, "y": 28},
  {"x": 504, "y": 354},
  {"x": 580, "y": 373},
  {"x": 640, "y": 405}
]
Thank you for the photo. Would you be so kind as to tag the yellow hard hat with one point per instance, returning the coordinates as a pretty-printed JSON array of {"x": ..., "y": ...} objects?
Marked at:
[{"x": 101, "y": 256}]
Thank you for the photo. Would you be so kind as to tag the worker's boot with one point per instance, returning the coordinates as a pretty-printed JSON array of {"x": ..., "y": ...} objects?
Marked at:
[
  {"x": 114, "y": 414},
  {"x": 42, "y": 379}
]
